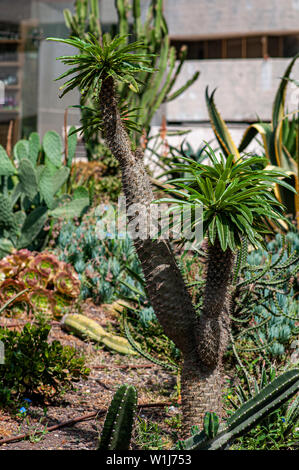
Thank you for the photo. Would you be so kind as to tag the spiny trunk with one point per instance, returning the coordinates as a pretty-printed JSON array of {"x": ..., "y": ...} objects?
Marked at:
[
  {"x": 165, "y": 286},
  {"x": 201, "y": 391},
  {"x": 201, "y": 385},
  {"x": 202, "y": 382},
  {"x": 213, "y": 325}
]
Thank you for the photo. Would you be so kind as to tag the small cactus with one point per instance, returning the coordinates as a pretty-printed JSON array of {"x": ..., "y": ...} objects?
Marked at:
[
  {"x": 211, "y": 424},
  {"x": 117, "y": 430}
]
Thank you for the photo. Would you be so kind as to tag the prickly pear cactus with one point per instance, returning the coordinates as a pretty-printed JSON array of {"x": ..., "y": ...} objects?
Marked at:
[{"x": 39, "y": 181}]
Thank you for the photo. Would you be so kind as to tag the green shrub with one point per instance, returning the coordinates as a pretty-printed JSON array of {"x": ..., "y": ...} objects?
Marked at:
[{"x": 34, "y": 368}]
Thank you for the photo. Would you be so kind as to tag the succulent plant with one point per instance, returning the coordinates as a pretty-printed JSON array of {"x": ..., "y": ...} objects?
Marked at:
[
  {"x": 35, "y": 367},
  {"x": 41, "y": 300},
  {"x": 117, "y": 430},
  {"x": 269, "y": 398},
  {"x": 264, "y": 294},
  {"x": 11, "y": 287},
  {"x": 46, "y": 264},
  {"x": 34, "y": 189},
  {"x": 87, "y": 328},
  {"x": 32, "y": 278},
  {"x": 52, "y": 285},
  {"x": 67, "y": 284},
  {"x": 100, "y": 263}
]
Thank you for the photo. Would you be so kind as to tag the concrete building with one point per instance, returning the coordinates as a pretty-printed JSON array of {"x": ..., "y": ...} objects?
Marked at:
[{"x": 240, "y": 47}]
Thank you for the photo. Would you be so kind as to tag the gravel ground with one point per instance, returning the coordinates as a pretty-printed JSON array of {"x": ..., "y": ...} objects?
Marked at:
[{"x": 153, "y": 384}]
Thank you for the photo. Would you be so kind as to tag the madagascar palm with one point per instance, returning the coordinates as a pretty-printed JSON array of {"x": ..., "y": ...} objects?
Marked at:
[
  {"x": 236, "y": 198},
  {"x": 202, "y": 340}
]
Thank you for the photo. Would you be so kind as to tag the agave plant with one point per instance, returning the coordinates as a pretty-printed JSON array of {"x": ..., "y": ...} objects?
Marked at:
[
  {"x": 202, "y": 340},
  {"x": 278, "y": 139}
]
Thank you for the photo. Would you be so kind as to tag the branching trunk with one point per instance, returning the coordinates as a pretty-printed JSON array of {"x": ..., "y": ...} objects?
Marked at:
[{"x": 202, "y": 340}]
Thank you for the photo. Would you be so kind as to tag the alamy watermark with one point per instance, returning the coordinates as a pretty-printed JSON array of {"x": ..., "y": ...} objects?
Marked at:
[{"x": 153, "y": 221}]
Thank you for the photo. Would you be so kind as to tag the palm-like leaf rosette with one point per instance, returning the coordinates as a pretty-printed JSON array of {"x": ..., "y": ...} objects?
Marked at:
[
  {"x": 95, "y": 62},
  {"x": 236, "y": 197}
]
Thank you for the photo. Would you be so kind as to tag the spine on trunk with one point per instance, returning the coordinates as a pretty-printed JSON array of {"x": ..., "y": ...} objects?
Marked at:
[
  {"x": 213, "y": 323},
  {"x": 165, "y": 286}
]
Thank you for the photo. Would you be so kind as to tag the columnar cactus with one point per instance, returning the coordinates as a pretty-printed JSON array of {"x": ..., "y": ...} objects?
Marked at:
[
  {"x": 89, "y": 329},
  {"x": 117, "y": 430}
]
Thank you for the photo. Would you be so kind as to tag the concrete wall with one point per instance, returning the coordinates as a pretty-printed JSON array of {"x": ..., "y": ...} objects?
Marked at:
[
  {"x": 50, "y": 107},
  {"x": 208, "y": 17},
  {"x": 245, "y": 89}
]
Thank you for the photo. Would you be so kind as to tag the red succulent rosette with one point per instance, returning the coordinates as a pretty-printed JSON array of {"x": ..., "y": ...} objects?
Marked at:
[
  {"x": 61, "y": 304},
  {"x": 32, "y": 278},
  {"x": 68, "y": 284},
  {"x": 41, "y": 300},
  {"x": 10, "y": 288},
  {"x": 46, "y": 264},
  {"x": 12, "y": 264},
  {"x": 22, "y": 257},
  {"x": 8, "y": 268}
]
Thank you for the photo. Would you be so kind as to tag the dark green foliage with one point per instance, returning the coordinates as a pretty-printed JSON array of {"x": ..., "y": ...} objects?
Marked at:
[
  {"x": 117, "y": 430},
  {"x": 35, "y": 368},
  {"x": 109, "y": 186},
  {"x": 235, "y": 197}
]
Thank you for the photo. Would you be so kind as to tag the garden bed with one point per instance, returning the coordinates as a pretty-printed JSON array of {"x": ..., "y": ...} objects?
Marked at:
[{"x": 107, "y": 371}]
